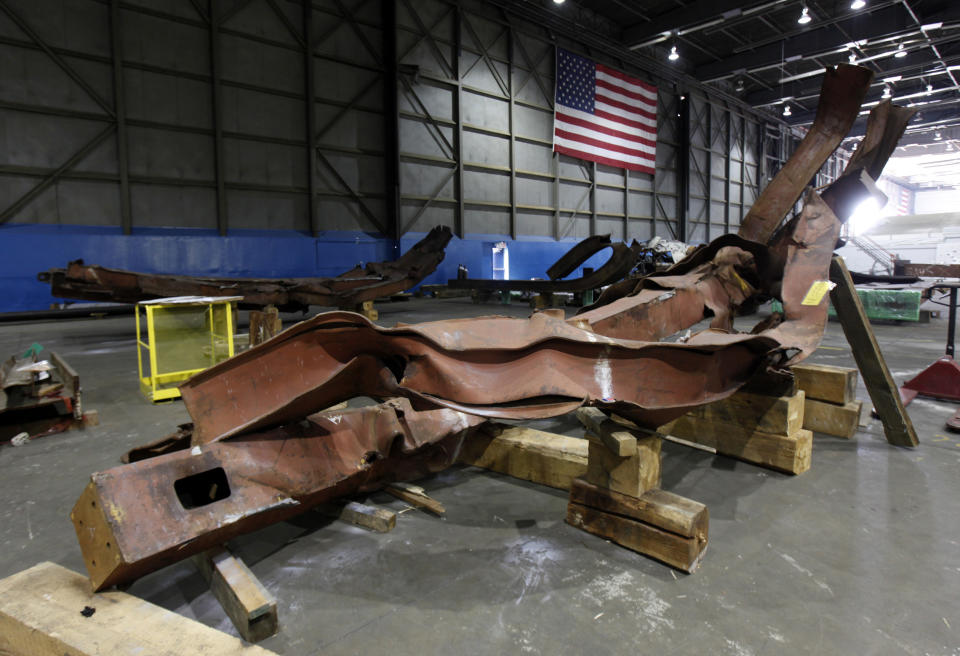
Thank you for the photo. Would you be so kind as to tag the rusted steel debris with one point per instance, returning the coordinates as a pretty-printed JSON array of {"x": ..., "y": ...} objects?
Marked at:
[
  {"x": 248, "y": 411},
  {"x": 136, "y": 518},
  {"x": 351, "y": 288},
  {"x": 621, "y": 262}
]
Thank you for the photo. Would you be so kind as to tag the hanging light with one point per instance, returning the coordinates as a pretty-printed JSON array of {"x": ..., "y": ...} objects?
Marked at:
[
  {"x": 558, "y": 2},
  {"x": 674, "y": 55},
  {"x": 937, "y": 136},
  {"x": 786, "y": 110},
  {"x": 740, "y": 86},
  {"x": 804, "y": 16},
  {"x": 852, "y": 58},
  {"x": 858, "y": 4},
  {"x": 929, "y": 88},
  {"x": 901, "y": 52},
  {"x": 886, "y": 91}
]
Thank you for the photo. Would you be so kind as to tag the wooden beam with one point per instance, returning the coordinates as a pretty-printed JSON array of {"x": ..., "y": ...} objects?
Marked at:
[
  {"x": 614, "y": 436},
  {"x": 825, "y": 382},
  {"x": 831, "y": 418},
  {"x": 770, "y": 414},
  {"x": 415, "y": 496},
  {"x": 376, "y": 519},
  {"x": 876, "y": 376},
  {"x": 787, "y": 453},
  {"x": 527, "y": 454},
  {"x": 248, "y": 604},
  {"x": 41, "y": 615},
  {"x": 631, "y": 475}
]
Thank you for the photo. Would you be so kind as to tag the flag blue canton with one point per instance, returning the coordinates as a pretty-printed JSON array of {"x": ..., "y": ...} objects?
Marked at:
[{"x": 576, "y": 85}]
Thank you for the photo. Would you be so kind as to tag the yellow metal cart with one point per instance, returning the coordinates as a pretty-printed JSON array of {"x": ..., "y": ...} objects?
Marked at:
[{"x": 181, "y": 336}]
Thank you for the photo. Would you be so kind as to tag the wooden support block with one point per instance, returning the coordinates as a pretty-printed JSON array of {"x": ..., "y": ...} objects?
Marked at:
[
  {"x": 885, "y": 395},
  {"x": 786, "y": 453},
  {"x": 675, "y": 550},
  {"x": 525, "y": 453},
  {"x": 264, "y": 325},
  {"x": 614, "y": 436},
  {"x": 632, "y": 475},
  {"x": 662, "y": 509},
  {"x": 41, "y": 615},
  {"x": 824, "y": 382},
  {"x": 832, "y": 419},
  {"x": 416, "y": 496},
  {"x": 249, "y": 605},
  {"x": 770, "y": 414},
  {"x": 371, "y": 517}
]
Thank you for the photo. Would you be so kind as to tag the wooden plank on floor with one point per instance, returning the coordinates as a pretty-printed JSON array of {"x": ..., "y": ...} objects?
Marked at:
[
  {"x": 525, "y": 453},
  {"x": 41, "y": 614},
  {"x": 248, "y": 604},
  {"x": 831, "y": 418},
  {"x": 825, "y": 382},
  {"x": 876, "y": 376},
  {"x": 376, "y": 519},
  {"x": 415, "y": 496}
]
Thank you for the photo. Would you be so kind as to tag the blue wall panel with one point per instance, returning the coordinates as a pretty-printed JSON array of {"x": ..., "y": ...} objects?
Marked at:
[{"x": 26, "y": 250}]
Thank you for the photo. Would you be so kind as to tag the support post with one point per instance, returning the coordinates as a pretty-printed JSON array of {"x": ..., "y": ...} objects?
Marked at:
[
  {"x": 458, "y": 119},
  {"x": 876, "y": 376},
  {"x": 683, "y": 167},
  {"x": 311, "y": 116},
  {"x": 217, "y": 106},
  {"x": 120, "y": 113},
  {"x": 391, "y": 119}
]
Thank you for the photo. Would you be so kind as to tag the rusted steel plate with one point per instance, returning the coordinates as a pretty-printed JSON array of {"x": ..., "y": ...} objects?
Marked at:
[
  {"x": 841, "y": 95},
  {"x": 931, "y": 270},
  {"x": 375, "y": 280},
  {"x": 136, "y": 518},
  {"x": 621, "y": 262}
]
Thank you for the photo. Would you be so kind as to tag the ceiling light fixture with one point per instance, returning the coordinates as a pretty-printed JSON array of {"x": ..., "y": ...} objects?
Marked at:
[
  {"x": 558, "y": 2},
  {"x": 804, "y": 16},
  {"x": 901, "y": 52},
  {"x": 886, "y": 91},
  {"x": 852, "y": 58},
  {"x": 937, "y": 136},
  {"x": 786, "y": 110},
  {"x": 858, "y": 4},
  {"x": 740, "y": 86},
  {"x": 674, "y": 55},
  {"x": 929, "y": 88}
]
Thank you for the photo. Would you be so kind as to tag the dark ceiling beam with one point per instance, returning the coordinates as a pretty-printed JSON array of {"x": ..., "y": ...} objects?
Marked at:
[
  {"x": 814, "y": 41},
  {"x": 908, "y": 67},
  {"x": 693, "y": 15},
  {"x": 943, "y": 113}
]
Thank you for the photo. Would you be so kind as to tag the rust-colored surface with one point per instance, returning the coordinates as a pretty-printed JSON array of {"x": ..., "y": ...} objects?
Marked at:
[
  {"x": 841, "y": 95},
  {"x": 375, "y": 280},
  {"x": 621, "y": 262},
  {"x": 130, "y": 520}
]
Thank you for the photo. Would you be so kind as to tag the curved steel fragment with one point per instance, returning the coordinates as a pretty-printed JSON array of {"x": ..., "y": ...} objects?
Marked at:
[{"x": 375, "y": 280}]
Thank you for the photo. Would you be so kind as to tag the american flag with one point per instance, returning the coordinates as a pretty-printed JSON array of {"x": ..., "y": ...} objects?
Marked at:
[{"x": 603, "y": 115}]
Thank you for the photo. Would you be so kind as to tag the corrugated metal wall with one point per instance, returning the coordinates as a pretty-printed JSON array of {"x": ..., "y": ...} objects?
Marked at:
[{"x": 146, "y": 114}]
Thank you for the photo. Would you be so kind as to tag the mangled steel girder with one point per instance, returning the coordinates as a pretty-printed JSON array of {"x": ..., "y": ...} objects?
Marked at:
[
  {"x": 841, "y": 95},
  {"x": 375, "y": 280},
  {"x": 621, "y": 262},
  {"x": 720, "y": 277},
  {"x": 505, "y": 367},
  {"x": 136, "y": 518}
]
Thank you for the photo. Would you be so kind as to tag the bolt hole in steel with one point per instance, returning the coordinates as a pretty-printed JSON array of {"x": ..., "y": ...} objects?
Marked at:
[
  {"x": 203, "y": 488},
  {"x": 369, "y": 458}
]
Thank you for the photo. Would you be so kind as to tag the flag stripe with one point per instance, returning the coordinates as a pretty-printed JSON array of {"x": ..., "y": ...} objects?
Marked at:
[
  {"x": 574, "y": 123},
  {"x": 607, "y": 143},
  {"x": 601, "y": 159},
  {"x": 651, "y": 104},
  {"x": 636, "y": 84},
  {"x": 604, "y": 115},
  {"x": 602, "y": 119}
]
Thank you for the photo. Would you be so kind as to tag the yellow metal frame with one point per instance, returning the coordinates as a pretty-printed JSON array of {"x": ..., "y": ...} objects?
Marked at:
[{"x": 156, "y": 385}]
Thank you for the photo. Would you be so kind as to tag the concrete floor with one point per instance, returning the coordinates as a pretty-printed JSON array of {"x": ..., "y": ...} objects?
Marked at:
[{"x": 860, "y": 555}]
